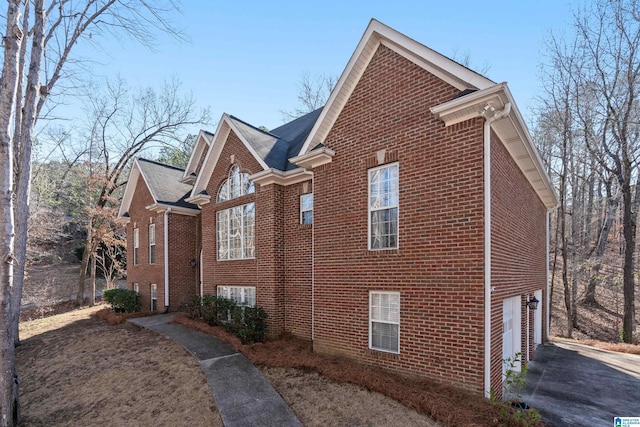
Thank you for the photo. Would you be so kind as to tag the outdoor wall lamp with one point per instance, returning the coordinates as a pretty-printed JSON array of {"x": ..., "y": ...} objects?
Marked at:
[
  {"x": 192, "y": 262},
  {"x": 533, "y": 303}
]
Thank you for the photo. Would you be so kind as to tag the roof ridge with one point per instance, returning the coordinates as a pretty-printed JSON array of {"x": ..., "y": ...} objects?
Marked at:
[
  {"x": 160, "y": 164},
  {"x": 254, "y": 127}
]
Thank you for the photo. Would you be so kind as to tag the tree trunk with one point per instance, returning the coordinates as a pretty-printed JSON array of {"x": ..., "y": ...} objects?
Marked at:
[
  {"x": 88, "y": 241},
  {"x": 603, "y": 238},
  {"x": 9, "y": 406},
  {"x": 24, "y": 144},
  {"x": 92, "y": 296},
  {"x": 628, "y": 280}
]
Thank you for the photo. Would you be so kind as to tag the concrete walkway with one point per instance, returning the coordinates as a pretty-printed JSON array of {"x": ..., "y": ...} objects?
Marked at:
[
  {"x": 576, "y": 385},
  {"x": 244, "y": 397}
]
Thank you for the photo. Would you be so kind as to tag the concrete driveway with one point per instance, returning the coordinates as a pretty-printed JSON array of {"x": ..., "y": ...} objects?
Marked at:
[{"x": 577, "y": 385}]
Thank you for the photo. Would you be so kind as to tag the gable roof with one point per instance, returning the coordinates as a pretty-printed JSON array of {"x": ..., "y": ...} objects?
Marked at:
[
  {"x": 271, "y": 149},
  {"x": 164, "y": 185},
  {"x": 375, "y": 35},
  {"x": 203, "y": 141}
]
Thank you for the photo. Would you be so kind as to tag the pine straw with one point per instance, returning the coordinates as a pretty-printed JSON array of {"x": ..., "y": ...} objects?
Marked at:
[
  {"x": 446, "y": 404},
  {"x": 113, "y": 318}
]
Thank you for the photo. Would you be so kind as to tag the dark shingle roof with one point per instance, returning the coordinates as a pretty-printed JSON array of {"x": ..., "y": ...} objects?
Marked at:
[
  {"x": 164, "y": 183},
  {"x": 278, "y": 145}
]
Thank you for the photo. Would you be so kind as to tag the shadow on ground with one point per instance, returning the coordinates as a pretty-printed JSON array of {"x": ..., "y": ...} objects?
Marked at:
[{"x": 578, "y": 385}]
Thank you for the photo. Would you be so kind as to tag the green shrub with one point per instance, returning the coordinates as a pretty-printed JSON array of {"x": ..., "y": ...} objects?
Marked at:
[
  {"x": 247, "y": 323},
  {"x": 122, "y": 300}
]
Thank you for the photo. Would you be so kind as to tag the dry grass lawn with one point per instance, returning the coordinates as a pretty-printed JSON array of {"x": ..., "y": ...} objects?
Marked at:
[{"x": 76, "y": 370}]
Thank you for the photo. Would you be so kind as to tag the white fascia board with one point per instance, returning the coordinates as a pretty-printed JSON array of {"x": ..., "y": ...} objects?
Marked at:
[
  {"x": 377, "y": 33},
  {"x": 274, "y": 176},
  {"x": 213, "y": 154},
  {"x": 162, "y": 207},
  {"x": 199, "y": 199},
  {"x": 314, "y": 158},
  {"x": 132, "y": 182},
  {"x": 202, "y": 143},
  {"x": 497, "y": 97}
]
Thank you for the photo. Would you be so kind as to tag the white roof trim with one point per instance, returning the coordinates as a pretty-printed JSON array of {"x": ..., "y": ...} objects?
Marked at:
[
  {"x": 162, "y": 207},
  {"x": 376, "y": 34},
  {"x": 511, "y": 130},
  {"x": 130, "y": 189},
  {"x": 274, "y": 176},
  {"x": 225, "y": 126},
  {"x": 199, "y": 199},
  {"x": 203, "y": 141},
  {"x": 314, "y": 158}
]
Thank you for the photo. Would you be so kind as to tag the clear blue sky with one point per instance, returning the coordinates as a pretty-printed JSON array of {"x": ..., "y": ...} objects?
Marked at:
[{"x": 246, "y": 58}]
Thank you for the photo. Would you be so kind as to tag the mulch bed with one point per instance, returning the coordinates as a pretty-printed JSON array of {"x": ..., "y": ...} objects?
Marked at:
[
  {"x": 446, "y": 404},
  {"x": 113, "y": 318}
]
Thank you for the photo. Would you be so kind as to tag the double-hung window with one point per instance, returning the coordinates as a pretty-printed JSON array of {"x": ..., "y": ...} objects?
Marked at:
[
  {"x": 306, "y": 209},
  {"x": 235, "y": 231},
  {"x": 136, "y": 288},
  {"x": 152, "y": 243},
  {"x": 136, "y": 245},
  {"x": 154, "y": 297},
  {"x": 241, "y": 295},
  {"x": 384, "y": 321},
  {"x": 384, "y": 197}
]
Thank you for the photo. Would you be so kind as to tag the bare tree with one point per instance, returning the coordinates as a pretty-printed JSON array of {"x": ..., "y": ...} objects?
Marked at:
[
  {"x": 123, "y": 124},
  {"x": 38, "y": 41},
  {"x": 313, "y": 92}
]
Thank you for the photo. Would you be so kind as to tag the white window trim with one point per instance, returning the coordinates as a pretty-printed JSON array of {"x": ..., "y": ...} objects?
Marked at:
[
  {"x": 152, "y": 242},
  {"x": 302, "y": 211},
  {"x": 244, "y": 185},
  {"x": 371, "y": 320},
  {"x": 369, "y": 239},
  {"x": 136, "y": 246},
  {"x": 154, "y": 295},
  {"x": 136, "y": 287},
  {"x": 242, "y": 233},
  {"x": 225, "y": 292}
]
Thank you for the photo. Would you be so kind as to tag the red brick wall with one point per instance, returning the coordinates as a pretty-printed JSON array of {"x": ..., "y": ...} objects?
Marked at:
[
  {"x": 518, "y": 249},
  {"x": 226, "y": 273},
  {"x": 438, "y": 268},
  {"x": 145, "y": 274},
  {"x": 182, "y": 249},
  {"x": 297, "y": 263}
]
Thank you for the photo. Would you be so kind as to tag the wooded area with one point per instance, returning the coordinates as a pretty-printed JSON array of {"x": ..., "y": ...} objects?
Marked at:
[{"x": 588, "y": 132}]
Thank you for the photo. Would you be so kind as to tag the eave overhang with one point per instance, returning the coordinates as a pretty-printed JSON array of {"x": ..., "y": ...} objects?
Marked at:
[
  {"x": 274, "y": 176},
  {"x": 511, "y": 130},
  {"x": 199, "y": 199},
  {"x": 163, "y": 207},
  {"x": 314, "y": 158}
]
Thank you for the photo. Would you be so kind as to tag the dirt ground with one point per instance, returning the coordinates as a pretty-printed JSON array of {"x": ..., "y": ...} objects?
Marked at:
[{"x": 78, "y": 371}]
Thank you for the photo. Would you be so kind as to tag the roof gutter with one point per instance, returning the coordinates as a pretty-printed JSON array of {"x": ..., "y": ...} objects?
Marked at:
[{"x": 490, "y": 115}]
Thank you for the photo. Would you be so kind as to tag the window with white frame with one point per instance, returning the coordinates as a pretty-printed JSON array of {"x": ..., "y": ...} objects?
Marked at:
[
  {"x": 306, "y": 209},
  {"x": 136, "y": 245},
  {"x": 152, "y": 243},
  {"x": 241, "y": 295},
  {"x": 383, "y": 207},
  {"x": 384, "y": 321},
  {"x": 236, "y": 185},
  {"x": 154, "y": 297},
  {"x": 136, "y": 288},
  {"x": 235, "y": 230}
]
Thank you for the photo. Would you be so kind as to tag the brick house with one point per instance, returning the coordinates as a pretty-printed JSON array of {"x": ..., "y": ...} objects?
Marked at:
[{"x": 404, "y": 225}]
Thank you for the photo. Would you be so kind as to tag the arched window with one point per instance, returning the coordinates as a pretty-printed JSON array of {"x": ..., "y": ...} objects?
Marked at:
[{"x": 238, "y": 184}]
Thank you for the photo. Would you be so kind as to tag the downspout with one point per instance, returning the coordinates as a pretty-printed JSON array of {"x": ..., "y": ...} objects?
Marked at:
[
  {"x": 313, "y": 261},
  {"x": 166, "y": 260},
  {"x": 487, "y": 238},
  {"x": 201, "y": 280},
  {"x": 547, "y": 303}
]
